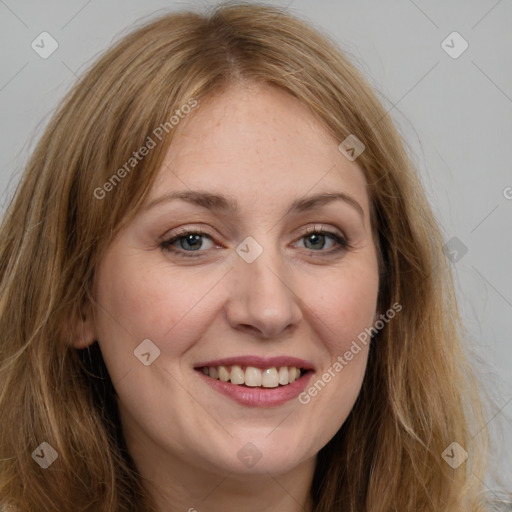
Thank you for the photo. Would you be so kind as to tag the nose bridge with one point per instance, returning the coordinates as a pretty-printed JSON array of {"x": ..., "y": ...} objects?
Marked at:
[{"x": 263, "y": 297}]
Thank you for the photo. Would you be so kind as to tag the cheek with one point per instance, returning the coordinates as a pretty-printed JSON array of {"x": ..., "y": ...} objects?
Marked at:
[
  {"x": 137, "y": 301},
  {"x": 349, "y": 314},
  {"x": 345, "y": 310},
  {"x": 346, "y": 307}
]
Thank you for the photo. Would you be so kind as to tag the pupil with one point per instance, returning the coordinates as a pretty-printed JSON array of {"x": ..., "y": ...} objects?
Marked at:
[
  {"x": 315, "y": 237},
  {"x": 189, "y": 239}
]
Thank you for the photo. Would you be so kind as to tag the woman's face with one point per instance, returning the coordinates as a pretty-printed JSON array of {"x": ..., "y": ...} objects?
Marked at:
[{"x": 261, "y": 291}]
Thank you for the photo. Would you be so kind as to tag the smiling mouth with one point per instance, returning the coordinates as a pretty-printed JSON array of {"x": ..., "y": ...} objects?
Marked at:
[{"x": 250, "y": 376}]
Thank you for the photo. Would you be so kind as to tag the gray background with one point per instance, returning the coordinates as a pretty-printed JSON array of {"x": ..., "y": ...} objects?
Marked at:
[{"x": 455, "y": 114}]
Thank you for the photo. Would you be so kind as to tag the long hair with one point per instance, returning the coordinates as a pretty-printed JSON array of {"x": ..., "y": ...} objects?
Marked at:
[{"x": 419, "y": 393}]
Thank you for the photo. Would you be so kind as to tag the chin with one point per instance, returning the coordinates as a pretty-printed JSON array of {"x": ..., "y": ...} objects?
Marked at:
[{"x": 262, "y": 453}]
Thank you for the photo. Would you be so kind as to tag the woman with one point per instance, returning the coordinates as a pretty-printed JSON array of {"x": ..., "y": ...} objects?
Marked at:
[{"x": 222, "y": 286}]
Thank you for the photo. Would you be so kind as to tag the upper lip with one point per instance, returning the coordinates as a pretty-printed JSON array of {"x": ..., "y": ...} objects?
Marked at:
[{"x": 258, "y": 362}]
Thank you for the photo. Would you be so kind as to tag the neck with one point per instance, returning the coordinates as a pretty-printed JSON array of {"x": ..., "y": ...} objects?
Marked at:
[{"x": 202, "y": 492}]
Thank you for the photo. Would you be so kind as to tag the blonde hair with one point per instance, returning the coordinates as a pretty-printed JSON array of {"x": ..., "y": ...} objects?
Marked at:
[{"x": 419, "y": 393}]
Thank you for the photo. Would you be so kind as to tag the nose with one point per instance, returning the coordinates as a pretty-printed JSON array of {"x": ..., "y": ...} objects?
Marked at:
[{"x": 262, "y": 300}]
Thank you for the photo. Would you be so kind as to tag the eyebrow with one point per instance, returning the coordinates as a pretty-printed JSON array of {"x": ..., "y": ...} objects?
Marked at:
[{"x": 220, "y": 203}]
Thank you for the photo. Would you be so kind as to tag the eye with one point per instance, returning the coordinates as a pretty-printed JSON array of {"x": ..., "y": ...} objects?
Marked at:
[
  {"x": 316, "y": 239},
  {"x": 187, "y": 241}
]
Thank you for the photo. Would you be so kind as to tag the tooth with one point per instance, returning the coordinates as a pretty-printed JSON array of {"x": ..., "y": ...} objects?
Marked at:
[
  {"x": 283, "y": 375},
  {"x": 252, "y": 376},
  {"x": 270, "y": 378},
  {"x": 237, "y": 375},
  {"x": 223, "y": 374}
]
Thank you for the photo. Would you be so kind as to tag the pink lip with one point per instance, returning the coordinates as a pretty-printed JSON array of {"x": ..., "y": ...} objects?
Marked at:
[
  {"x": 259, "y": 362},
  {"x": 258, "y": 397}
]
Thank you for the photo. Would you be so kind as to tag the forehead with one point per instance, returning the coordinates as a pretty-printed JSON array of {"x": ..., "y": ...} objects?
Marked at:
[{"x": 258, "y": 143}]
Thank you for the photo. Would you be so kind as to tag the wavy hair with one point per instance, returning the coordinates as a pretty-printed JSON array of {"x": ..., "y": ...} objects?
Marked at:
[{"x": 419, "y": 392}]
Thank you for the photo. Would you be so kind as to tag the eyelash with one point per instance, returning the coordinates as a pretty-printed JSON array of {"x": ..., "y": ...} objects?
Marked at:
[{"x": 342, "y": 243}]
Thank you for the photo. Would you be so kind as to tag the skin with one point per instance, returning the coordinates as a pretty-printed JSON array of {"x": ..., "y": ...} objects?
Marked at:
[{"x": 265, "y": 149}]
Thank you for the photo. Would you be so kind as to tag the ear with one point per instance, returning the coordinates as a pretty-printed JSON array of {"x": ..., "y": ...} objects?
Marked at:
[{"x": 80, "y": 331}]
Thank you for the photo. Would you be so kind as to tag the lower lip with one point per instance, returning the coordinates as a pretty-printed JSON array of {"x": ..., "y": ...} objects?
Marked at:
[{"x": 257, "y": 396}]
